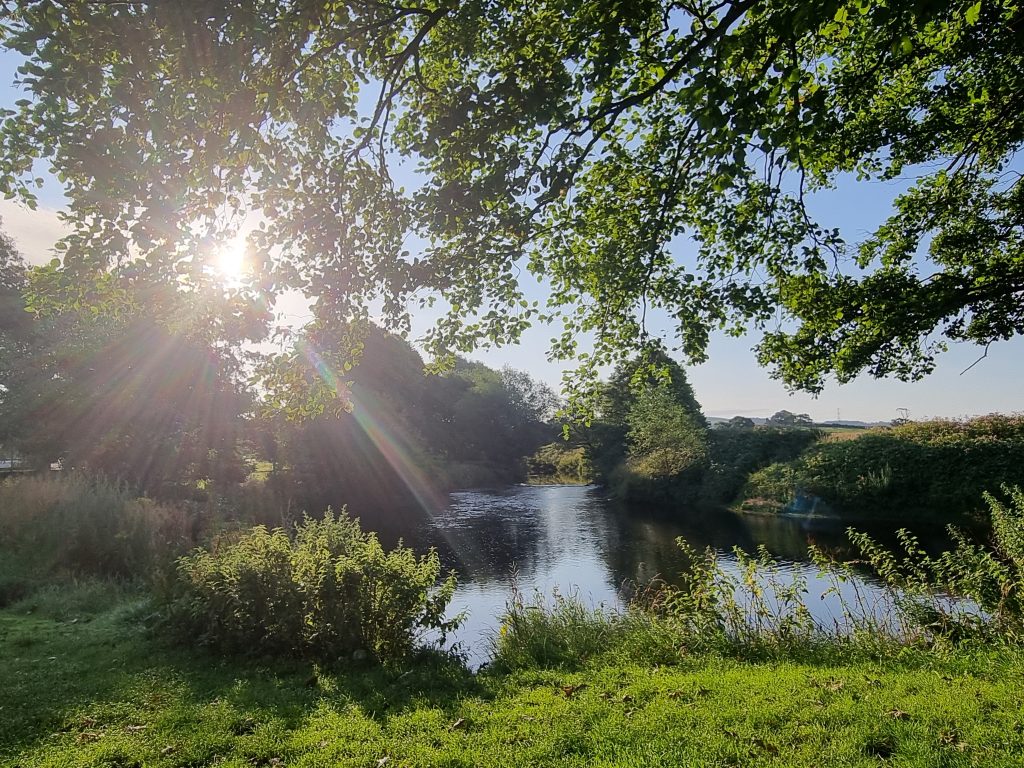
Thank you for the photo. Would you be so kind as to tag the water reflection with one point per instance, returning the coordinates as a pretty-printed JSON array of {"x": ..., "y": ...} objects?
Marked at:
[{"x": 576, "y": 539}]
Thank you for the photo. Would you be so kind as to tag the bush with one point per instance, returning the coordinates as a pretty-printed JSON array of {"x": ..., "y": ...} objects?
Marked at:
[
  {"x": 914, "y": 470},
  {"x": 560, "y": 463},
  {"x": 69, "y": 525},
  {"x": 326, "y": 591},
  {"x": 737, "y": 452}
]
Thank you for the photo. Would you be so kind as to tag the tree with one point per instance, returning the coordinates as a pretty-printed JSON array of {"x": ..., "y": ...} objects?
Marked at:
[
  {"x": 408, "y": 435},
  {"x": 151, "y": 396},
  {"x": 740, "y": 422},
  {"x": 132, "y": 401},
  {"x": 787, "y": 419},
  {"x": 650, "y": 435},
  {"x": 577, "y": 142},
  {"x": 631, "y": 379},
  {"x": 666, "y": 439},
  {"x": 15, "y": 333}
]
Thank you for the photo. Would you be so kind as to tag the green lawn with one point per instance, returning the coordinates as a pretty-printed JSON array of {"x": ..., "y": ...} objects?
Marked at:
[{"x": 86, "y": 685}]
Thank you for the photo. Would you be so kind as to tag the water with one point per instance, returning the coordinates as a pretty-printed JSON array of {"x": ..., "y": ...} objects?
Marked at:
[{"x": 576, "y": 539}]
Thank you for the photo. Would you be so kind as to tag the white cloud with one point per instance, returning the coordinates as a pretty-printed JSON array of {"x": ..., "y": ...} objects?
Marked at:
[{"x": 33, "y": 232}]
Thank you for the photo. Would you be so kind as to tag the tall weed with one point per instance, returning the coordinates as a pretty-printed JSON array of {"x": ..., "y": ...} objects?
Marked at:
[
  {"x": 971, "y": 589},
  {"x": 755, "y": 607}
]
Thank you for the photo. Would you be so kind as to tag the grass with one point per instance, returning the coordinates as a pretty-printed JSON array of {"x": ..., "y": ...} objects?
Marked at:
[{"x": 85, "y": 683}]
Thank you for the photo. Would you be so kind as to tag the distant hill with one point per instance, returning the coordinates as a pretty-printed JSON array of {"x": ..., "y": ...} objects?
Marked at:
[
  {"x": 854, "y": 424},
  {"x": 850, "y": 424}
]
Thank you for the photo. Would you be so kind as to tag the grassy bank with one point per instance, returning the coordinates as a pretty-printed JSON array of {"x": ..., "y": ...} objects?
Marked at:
[{"x": 86, "y": 684}]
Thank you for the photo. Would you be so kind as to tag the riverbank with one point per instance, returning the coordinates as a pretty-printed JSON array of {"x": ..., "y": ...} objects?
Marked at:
[
  {"x": 931, "y": 471},
  {"x": 86, "y": 684}
]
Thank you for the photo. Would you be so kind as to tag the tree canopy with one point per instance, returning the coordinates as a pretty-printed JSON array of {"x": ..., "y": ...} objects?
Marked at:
[
  {"x": 635, "y": 156},
  {"x": 788, "y": 419}
]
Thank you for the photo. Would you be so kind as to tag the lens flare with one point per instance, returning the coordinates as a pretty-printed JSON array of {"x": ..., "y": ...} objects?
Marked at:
[{"x": 230, "y": 261}]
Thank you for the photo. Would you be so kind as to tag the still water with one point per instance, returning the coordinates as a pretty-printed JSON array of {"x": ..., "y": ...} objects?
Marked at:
[{"x": 577, "y": 540}]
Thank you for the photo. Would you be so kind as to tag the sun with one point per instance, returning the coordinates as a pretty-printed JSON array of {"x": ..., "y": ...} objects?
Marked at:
[{"x": 231, "y": 263}]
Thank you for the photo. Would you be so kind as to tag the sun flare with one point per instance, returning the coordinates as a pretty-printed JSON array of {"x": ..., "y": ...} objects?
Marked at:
[{"x": 230, "y": 261}]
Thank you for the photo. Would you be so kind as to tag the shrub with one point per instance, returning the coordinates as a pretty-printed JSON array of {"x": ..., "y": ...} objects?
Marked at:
[
  {"x": 326, "y": 590},
  {"x": 737, "y": 452},
  {"x": 67, "y": 524},
  {"x": 914, "y": 470},
  {"x": 560, "y": 463}
]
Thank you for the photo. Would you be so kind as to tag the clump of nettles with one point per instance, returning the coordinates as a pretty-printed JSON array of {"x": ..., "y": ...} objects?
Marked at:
[{"x": 325, "y": 590}]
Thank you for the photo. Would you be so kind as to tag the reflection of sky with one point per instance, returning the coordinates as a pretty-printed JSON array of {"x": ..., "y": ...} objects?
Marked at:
[{"x": 574, "y": 540}]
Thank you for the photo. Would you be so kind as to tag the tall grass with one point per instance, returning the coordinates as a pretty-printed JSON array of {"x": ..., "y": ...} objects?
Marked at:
[
  {"x": 563, "y": 632},
  {"x": 68, "y": 525},
  {"x": 752, "y": 608}
]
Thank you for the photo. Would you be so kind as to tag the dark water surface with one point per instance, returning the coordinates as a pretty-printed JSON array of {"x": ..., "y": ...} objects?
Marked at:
[{"x": 575, "y": 539}]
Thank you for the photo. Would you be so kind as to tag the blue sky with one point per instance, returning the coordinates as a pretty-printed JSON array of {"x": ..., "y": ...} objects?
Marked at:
[{"x": 731, "y": 382}]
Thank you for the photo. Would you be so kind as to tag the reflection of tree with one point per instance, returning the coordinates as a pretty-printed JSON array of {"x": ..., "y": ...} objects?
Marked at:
[
  {"x": 577, "y": 537},
  {"x": 645, "y": 544}
]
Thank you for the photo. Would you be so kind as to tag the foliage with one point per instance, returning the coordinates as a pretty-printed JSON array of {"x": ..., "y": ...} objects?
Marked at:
[
  {"x": 667, "y": 450},
  {"x": 922, "y": 469},
  {"x": 736, "y": 452},
  {"x": 650, "y": 439},
  {"x": 129, "y": 395},
  {"x": 653, "y": 369},
  {"x": 560, "y": 463},
  {"x": 575, "y": 143},
  {"x": 15, "y": 332},
  {"x": 740, "y": 422},
  {"x": 990, "y": 575},
  {"x": 409, "y": 436},
  {"x": 68, "y": 525},
  {"x": 169, "y": 411},
  {"x": 787, "y": 419},
  {"x": 325, "y": 590}
]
